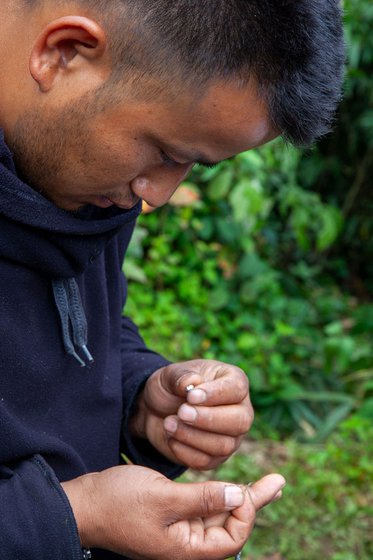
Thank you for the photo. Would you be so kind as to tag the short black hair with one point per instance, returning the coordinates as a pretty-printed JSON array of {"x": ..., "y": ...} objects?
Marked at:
[{"x": 293, "y": 49}]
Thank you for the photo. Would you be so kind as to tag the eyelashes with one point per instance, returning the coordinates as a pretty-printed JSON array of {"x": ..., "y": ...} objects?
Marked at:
[
  {"x": 208, "y": 165},
  {"x": 169, "y": 162}
]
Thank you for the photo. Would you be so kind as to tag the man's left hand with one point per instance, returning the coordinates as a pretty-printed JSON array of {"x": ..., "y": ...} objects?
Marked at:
[{"x": 199, "y": 428}]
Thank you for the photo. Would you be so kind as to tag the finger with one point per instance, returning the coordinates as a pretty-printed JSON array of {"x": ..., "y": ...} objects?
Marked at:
[
  {"x": 204, "y": 499},
  {"x": 229, "y": 386},
  {"x": 165, "y": 390},
  {"x": 232, "y": 420},
  {"x": 177, "y": 377},
  {"x": 157, "y": 397},
  {"x": 240, "y": 522},
  {"x": 218, "y": 520},
  {"x": 207, "y": 542},
  {"x": 209, "y": 442},
  {"x": 194, "y": 458}
]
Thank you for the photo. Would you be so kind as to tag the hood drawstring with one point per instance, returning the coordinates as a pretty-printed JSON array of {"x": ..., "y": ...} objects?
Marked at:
[{"x": 73, "y": 319}]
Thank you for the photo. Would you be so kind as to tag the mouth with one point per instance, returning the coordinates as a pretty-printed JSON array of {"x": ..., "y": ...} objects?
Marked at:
[{"x": 127, "y": 204}]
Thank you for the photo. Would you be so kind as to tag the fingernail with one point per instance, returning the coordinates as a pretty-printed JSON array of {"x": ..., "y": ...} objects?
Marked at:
[
  {"x": 233, "y": 496},
  {"x": 170, "y": 425},
  {"x": 187, "y": 413},
  {"x": 197, "y": 396}
]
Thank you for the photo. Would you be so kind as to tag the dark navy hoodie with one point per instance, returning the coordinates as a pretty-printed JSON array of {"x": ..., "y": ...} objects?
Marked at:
[{"x": 59, "y": 420}]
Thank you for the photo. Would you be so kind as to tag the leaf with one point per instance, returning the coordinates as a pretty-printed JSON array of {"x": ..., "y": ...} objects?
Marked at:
[
  {"x": 249, "y": 202},
  {"x": 319, "y": 396},
  {"x": 332, "y": 420},
  {"x": 136, "y": 249},
  {"x": 146, "y": 208},
  {"x": 134, "y": 272},
  {"x": 186, "y": 195},
  {"x": 251, "y": 265},
  {"x": 301, "y": 222},
  {"x": 331, "y": 222},
  {"x": 284, "y": 329},
  {"x": 366, "y": 409},
  {"x": 221, "y": 184},
  {"x": 219, "y": 298},
  {"x": 252, "y": 161},
  {"x": 334, "y": 329},
  {"x": 308, "y": 414}
]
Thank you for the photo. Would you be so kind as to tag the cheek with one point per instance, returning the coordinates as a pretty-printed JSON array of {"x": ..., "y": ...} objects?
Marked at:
[{"x": 123, "y": 161}]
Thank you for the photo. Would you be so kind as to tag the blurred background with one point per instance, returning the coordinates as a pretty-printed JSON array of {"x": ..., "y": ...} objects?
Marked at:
[{"x": 266, "y": 262}]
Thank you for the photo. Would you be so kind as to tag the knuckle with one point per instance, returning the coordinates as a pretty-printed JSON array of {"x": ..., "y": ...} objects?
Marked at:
[
  {"x": 245, "y": 422},
  {"x": 208, "y": 500},
  {"x": 250, "y": 413},
  {"x": 243, "y": 382},
  {"x": 227, "y": 446}
]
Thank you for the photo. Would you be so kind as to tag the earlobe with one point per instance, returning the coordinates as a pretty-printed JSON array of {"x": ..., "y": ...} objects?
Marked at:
[{"x": 58, "y": 45}]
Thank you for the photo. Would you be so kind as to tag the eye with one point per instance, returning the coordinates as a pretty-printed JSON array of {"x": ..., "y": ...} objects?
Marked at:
[{"x": 169, "y": 162}]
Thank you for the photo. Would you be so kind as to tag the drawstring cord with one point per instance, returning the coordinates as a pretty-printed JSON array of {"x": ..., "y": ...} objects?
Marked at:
[{"x": 73, "y": 319}]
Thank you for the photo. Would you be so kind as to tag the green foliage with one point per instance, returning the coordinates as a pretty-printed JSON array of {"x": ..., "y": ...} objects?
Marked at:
[
  {"x": 340, "y": 168},
  {"x": 272, "y": 268}
]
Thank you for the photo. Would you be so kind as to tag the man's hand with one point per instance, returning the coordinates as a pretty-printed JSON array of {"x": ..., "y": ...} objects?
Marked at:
[
  {"x": 139, "y": 513},
  {"x": 200, "y": 428}
]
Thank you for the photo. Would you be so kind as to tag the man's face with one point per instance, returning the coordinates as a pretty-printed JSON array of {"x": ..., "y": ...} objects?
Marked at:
[{"x": 84, "y": 153}]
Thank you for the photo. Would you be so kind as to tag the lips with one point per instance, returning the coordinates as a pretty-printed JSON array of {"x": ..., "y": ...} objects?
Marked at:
[
  {"x": 128, "y": 204},
  {"x": 105, "y": 202}
]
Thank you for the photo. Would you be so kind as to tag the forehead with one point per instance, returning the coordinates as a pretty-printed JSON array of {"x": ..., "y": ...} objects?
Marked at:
[
  {"x": 219, "y": 122},
  {"x": 231, "y": 119}
]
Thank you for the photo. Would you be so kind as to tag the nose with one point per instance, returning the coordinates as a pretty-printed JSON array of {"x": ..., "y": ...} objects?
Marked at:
[{"x": 157, "y": 187}]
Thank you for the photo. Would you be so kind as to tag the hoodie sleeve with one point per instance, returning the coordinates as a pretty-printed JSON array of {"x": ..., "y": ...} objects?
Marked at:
[
  {"x": 138, "y": 364},
  {"x": 36, "y": 520}
]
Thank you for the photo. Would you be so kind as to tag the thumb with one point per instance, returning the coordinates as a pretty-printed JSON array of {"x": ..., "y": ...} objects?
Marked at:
[
  {"x": 203, "y": 499},
  {"x": 265, "y": 490}
]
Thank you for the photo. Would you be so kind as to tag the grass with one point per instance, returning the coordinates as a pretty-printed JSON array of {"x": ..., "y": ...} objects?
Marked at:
[{"x": 327, "y": 508}]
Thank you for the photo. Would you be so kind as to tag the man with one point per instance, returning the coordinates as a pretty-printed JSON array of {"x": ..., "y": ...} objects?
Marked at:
[{"x": 103, "y": 104}]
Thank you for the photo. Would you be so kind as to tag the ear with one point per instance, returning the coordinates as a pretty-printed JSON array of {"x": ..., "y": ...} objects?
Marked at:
[{"x": 64, "y": 46}]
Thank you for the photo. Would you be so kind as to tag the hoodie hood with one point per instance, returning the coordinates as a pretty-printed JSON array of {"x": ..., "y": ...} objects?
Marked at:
[{"x": 37, "y": 234}]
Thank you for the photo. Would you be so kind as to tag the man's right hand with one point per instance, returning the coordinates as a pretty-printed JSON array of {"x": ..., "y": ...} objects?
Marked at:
[{"x": 137, "y": 512}]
